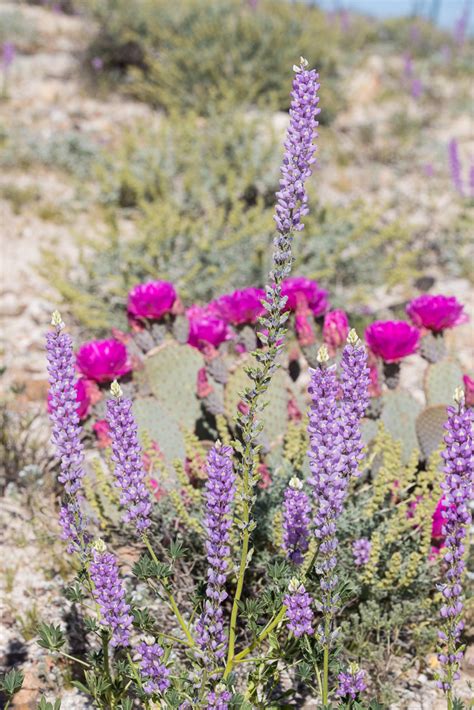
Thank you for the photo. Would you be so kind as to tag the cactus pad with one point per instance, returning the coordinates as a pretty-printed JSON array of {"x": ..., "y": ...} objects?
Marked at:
[
  {"x": 441, "y": 379},
  {"x": 161, "y": 427},
  {"x": 171, "y": 371},
  {"x": 430, "y": 428},
  {"x": 399, "y": 414}
]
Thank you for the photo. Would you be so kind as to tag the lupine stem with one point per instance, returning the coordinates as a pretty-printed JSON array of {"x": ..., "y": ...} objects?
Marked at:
[
  {"x": 326, "y": 663},
  {"x": 170, "y": 596}
]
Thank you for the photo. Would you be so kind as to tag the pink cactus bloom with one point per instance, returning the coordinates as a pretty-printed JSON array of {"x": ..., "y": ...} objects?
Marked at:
[
  {"x": 392, "y": 340},
  {"x": 438, "y": 520},
  {"x": 468, "y": 390},
  {"x": 102, "y": 431},
  {"x": 436, "y": 313},
  {"x": 239, "y": 307},
  {"x": 303, "y": 324},
  {"x": 298, "y": 288},
  {"x": 335, "y": 329},
  {"x": 204, "y": 387},
  {"x": 151, "y": 300},
  {"x": 103, "y": 360},
  {"x": 206, "y": 328}
]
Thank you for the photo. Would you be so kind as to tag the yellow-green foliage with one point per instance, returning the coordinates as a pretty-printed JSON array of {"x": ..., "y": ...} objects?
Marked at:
[
  {"x": 277, "y": 530},
  {"x": 402, "y": 504},
  {"x": 184, "y": 516},
  {"x": 296, "y": 444},
  {"x": 193, "y": 494},
  {"x": 223, "y": 430},
  {"x": 196, "y": 455}
]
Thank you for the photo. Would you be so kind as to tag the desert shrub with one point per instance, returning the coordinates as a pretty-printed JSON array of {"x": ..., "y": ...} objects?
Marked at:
[
  {"x": 202, "y": 55},
  {"x": 200, "y": 194}
]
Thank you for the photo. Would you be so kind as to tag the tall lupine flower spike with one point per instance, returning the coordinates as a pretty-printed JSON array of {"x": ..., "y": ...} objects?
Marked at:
[
  {"x": 63, "y": 406},
  {"x": 335, "y": 449},
  {"x": 67, "y": 431},
  {"x": 458, "y": 492},
  {"x": 298, "y": 609},
  {"x": 219, "y": 496},
  {"x": 291, "y": 207},
  {"x": 152, "y": 668},
  {"x": 296, "y": 512},
  {"x": 127, "y": 457},
  {"x": 355, "y": 381},
  {"x": 109, "y": 594}
]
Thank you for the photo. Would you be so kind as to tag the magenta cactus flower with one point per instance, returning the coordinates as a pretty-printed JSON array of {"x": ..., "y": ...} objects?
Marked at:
[
  {"x": 83, "y": 398},
  {"x": 335, "y": 329},
  {"x": 468, "y": 390},
  {"x": 299, "y": 289},
  {"x": 239, "y": 307},
  {"x": 206, "y": 328},
  {"x": 392, "y": 340},
  {"x": 151, "y": 300},
  {"x": 103, "y": 360},
  {"x": 109, "y": 594},
  {"x": 436, "y": 313}
]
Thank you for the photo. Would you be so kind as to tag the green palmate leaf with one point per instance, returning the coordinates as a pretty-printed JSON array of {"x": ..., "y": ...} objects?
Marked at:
[
  {"x": 46, "y": 705},
  {"x": 147, "y": 568},
  {"x": 50, "y": 637},
  {"x": 12, "y": 681}
]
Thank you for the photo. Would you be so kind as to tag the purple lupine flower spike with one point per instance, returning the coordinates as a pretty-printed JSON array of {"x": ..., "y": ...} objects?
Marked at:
[
  {"x": 299, "y": 155},
  {"x": 63, "y": 406},
  {"x": 458, "y": 493},
  {"x": 296, "y": 512},
  {"x": 335, "y": 450},
  {"x": 219, "y": 494},
  {"x": 351, "y": 683},
  {"x": 455, "y": 165},
  {"x": 361, "y": 551},
  {"x": 355, "y": 381},
  {"x": 298, "y": 609},
  {"x": 152, "y": 668},
  {"x": 109, "y": 594},
  {"x": 126, "y": 454}
]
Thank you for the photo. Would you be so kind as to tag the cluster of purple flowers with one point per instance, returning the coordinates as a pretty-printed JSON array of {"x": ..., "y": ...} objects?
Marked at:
[
  {"x": 110, "y": 595},
  {"x": 458, "y": 491},
  {"x": 298, "y": 609},
  {"x": 219, "y": 698},
  {"x": 127, "y": 457},
  {"x": 220, "y": 489},
  {"x": 296, "y": 518},
  {"x": 335, "y": 450},
  {"x": 351, "y": 683},
  {"x": 300, "y": 149},
  {"x": 361, "y": 551},
  {"x": 152, "y": 668}
]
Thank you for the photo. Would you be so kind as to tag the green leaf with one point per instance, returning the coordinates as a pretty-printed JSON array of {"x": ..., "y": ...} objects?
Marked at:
[
  {"x": 12, "y": 682},
  {"x": 46, "y": 705},
  {"x": 50, "y": 637}
]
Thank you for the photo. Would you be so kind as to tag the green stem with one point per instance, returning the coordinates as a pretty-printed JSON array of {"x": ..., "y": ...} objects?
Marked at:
[
  {"x": 170, "y": 597},
  {"x": 262, "y": 636},
  {"x": 72, "y": 658},
  {"x": 105, "y": 650},
  {"x": 326, "y": 663}
]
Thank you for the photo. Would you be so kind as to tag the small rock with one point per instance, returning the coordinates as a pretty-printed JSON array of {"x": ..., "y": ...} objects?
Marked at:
[{"x": 10, "y": 306}]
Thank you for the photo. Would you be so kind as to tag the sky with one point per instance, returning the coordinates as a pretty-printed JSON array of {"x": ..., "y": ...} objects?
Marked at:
[{"x": 449, "y": 10}]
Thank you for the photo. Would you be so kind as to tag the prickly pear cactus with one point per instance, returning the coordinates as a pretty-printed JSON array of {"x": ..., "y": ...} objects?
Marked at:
[
  {"x": 441, "y": 379},
  {"x": 430, "y": 428},
  {"x": 171, "y": 372},
  {"x": 218, "y": 369},
  {"x": 153, "y": 419},
  {"x": 399, "y": 414},
  {"x": 433, "y": 347},
  {"x": 275, "y": 415},
  {"x": 181, "y": 329}
]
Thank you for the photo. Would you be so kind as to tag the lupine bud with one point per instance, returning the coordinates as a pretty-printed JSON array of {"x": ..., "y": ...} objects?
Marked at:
[{"x": 352, "y": 683}]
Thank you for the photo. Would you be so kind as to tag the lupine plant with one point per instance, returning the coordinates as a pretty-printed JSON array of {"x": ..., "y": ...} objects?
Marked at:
[{"x": 198, "y": 652}]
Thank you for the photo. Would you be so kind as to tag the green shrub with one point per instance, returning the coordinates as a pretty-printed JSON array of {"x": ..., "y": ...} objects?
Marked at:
[{"x": 200, "y": 55}]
